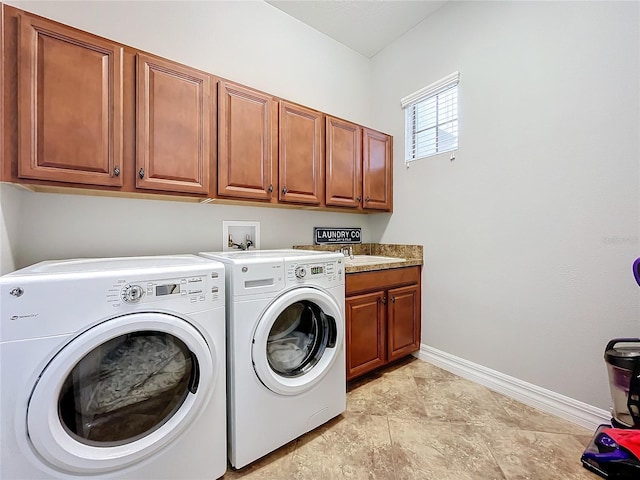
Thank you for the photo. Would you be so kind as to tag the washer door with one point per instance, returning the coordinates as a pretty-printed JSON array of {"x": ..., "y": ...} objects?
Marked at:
[
  {"x": 119, "y": 392},
  {"x": 297, "y": 340}
]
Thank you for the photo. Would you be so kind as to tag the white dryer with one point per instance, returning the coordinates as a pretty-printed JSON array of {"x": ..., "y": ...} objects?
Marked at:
[
  {"x": 285, "y": 346},
  {"x": 113, "y": 369}
]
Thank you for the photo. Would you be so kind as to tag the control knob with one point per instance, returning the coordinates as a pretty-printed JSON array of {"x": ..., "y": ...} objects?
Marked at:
[
  {"x": 132, "y": 293},
  {"x": 301, "y": 272}
]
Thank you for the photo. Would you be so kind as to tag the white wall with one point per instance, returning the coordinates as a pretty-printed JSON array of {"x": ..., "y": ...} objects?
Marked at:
[
  {"x": 71, "y": 226},
  {"x": 530, "y": 233},
  {"x": 250, "y": 42},
  {"x": 10, "y": 203}
]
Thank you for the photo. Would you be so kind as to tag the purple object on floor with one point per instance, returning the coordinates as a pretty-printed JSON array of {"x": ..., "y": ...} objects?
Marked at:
[
  {"x": 603, "y": 456},
  {"x": 636, "y": 270},
  {"x": 603, "y": 448}
]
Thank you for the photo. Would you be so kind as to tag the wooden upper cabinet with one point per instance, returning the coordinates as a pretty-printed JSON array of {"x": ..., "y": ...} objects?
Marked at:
[
  {"x": 343, "y": 163},
  {"x": 69, "y": 104},
  {"x": 300, "y": 162},
  {"x": 79, "y": 110},
  {"x": 247, "y": 143},
  {"x": 377, "y": 170},
  {"x": 173, "y": 137}
]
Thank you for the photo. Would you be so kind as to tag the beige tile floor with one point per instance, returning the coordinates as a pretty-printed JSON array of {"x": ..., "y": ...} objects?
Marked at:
[{"x": 415, "y": 421}]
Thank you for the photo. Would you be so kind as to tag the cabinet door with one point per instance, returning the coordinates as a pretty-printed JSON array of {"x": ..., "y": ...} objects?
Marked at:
[
  {"x": 404, "y": 321},
  {"x": 343, "y": 163},
  {"x": 247, "y": 143},
  {"x": 301, "y": 155},
  {"x": 377, "y": 170},
  {"x": 365, "y": 333},
  {"x": 69, "y": 103},
  {"x": 174, "y": 127}
]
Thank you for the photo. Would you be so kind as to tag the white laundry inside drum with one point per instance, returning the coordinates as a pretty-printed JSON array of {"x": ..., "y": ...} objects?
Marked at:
[
  {"x": 288, "y": 353},
  {"x": 297, "y": 339},
  {"x": 126, "y": 388}
]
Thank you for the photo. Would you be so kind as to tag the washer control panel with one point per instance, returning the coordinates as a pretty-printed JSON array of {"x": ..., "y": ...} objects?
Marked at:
[{"x": 326, "y": 273}]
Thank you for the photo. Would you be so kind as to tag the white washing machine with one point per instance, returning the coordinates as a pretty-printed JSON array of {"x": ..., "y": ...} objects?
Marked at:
[
  {"x": 113, "y": 369},
  {"x": 285, "y": 346}
]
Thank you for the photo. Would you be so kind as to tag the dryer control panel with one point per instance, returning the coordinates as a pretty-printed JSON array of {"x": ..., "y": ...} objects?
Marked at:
[
  {"x": 56, "y": 298},
  {"x": 192, "y": 289}
]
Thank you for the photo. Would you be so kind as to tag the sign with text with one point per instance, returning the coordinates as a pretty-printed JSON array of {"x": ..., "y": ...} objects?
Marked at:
[{"x": 325, "y": 235}]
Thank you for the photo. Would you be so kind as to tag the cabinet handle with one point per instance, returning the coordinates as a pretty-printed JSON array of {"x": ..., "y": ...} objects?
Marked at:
[
  {"x": 116, "y": 171},
  {"x": 384, "y": 300},
  {"x": 359, "y": 198},
  {"x": 271, "y": 188},
  {"x": 141, "y": 173},
  {"x": 367, "y": 199},
  {"x": 393, "y": 299},
  {"x": 284, "y": 190}
]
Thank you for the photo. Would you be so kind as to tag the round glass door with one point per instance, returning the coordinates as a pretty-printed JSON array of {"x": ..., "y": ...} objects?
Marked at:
[
  {"x": 119, "y": 392},
  {"x": 297, "y": 340},
  {"x": 126, "y": 388}
]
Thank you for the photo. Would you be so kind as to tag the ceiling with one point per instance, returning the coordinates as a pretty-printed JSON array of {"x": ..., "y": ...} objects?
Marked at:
[{"x": 366, "y": 26}]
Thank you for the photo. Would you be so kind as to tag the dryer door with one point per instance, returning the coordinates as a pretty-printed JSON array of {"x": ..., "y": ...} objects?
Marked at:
[
  {"x": 297, "y": 340},
  {"x": 119, "y": 392}
]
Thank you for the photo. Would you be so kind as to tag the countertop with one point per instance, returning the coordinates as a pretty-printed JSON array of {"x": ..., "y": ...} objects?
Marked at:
[{"x": 411, "y": 253}]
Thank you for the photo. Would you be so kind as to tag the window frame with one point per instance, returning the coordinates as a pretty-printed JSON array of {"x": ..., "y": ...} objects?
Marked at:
[{"x": 410, "y": 104}]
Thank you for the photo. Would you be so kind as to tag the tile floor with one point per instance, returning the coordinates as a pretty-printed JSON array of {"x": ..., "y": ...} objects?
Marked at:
[{"x": 415, "y": 421}]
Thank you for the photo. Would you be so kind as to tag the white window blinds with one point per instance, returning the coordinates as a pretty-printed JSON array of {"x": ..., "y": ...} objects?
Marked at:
[{"x": 431, "y": 119}]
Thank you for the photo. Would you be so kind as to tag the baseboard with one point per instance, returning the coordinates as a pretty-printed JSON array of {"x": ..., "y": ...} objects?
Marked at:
[{"x": 572, "y": 410}]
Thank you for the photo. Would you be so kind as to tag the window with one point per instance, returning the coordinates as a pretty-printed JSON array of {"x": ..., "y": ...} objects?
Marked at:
[{"x": 431, "y": 119}]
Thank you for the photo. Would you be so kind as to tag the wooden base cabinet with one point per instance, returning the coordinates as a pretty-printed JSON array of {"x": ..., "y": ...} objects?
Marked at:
[
  {"x": 383, "y": 318},
  {"x": 365, "y": 333},
  {"x": 403, "y": 321}
]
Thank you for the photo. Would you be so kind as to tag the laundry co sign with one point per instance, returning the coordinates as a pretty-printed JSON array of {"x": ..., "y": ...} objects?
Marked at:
[{"x": 324, "y": 235}]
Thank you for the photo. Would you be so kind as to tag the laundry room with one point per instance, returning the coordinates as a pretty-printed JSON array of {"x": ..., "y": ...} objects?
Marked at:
[{"x": 515, "y": 245}]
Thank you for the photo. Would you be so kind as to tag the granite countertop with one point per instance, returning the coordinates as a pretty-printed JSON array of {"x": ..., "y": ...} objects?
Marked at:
[{"x": 411, "y": 253}]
